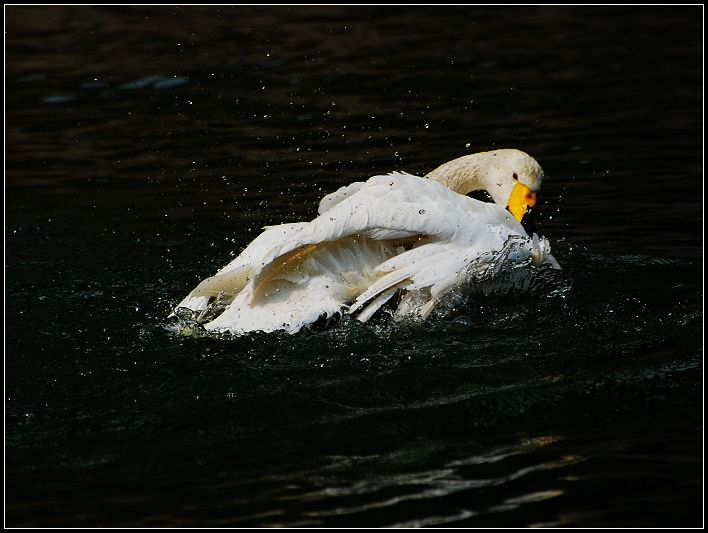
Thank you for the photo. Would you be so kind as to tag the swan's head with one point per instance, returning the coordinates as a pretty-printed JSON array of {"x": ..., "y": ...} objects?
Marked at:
[{"x": 511, "y": 177}]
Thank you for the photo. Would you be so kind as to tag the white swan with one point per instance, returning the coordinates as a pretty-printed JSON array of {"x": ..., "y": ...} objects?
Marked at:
[{"x": 392, "y": 234}]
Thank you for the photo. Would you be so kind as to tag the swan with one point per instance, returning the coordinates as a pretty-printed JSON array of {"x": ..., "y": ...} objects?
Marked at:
[{"x": 417, "y": 238}]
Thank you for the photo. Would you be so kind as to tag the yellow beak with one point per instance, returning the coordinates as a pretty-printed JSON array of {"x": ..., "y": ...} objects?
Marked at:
[{"x": 521, "y": 199}]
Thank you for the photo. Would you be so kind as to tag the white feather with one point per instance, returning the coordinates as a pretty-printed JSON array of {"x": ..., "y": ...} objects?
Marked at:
[{"x": 395, "y": 232}]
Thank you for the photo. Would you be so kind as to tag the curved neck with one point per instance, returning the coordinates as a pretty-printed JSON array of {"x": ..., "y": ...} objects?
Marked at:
[
  {"x": 459, "y": 175},
  {"x": 499, "y": 172},
  {"x": 462, "y": 175}
]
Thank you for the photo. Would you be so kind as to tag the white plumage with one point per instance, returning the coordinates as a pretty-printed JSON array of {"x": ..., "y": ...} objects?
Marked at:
[{"x": 393, "y": 234}]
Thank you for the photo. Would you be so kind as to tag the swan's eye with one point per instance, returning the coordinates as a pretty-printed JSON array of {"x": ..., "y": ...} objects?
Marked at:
[{"x": 515, "y": 176}]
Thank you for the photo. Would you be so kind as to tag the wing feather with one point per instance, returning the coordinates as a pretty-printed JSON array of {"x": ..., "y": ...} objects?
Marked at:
[{"x": 392, "y": 232}]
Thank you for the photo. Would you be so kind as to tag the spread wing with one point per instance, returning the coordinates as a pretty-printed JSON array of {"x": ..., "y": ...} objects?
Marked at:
[{"x": 371, "y": 238}]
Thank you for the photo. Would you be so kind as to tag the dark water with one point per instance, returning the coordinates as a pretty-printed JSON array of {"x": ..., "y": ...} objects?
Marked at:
[{"x": 146, "y": 146}]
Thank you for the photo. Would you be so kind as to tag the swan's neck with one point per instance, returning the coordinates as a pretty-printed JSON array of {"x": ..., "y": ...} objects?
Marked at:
[
  {"x": 462, "y": 175},
  {"x": 483, "y": 171}
]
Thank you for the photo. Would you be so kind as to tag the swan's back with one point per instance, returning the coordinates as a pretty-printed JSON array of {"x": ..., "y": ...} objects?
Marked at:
[{"x": 394, "y": 233}]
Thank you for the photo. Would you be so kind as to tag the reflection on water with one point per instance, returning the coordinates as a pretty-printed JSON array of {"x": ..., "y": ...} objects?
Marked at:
[{"x": 146, "y": 146}]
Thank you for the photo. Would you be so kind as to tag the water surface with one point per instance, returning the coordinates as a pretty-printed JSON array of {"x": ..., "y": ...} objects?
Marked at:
[{"x": 147, "y": 146}]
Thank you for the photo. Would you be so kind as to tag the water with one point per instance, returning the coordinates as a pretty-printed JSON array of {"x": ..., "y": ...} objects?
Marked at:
[{"x": 147, "y": 146}]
